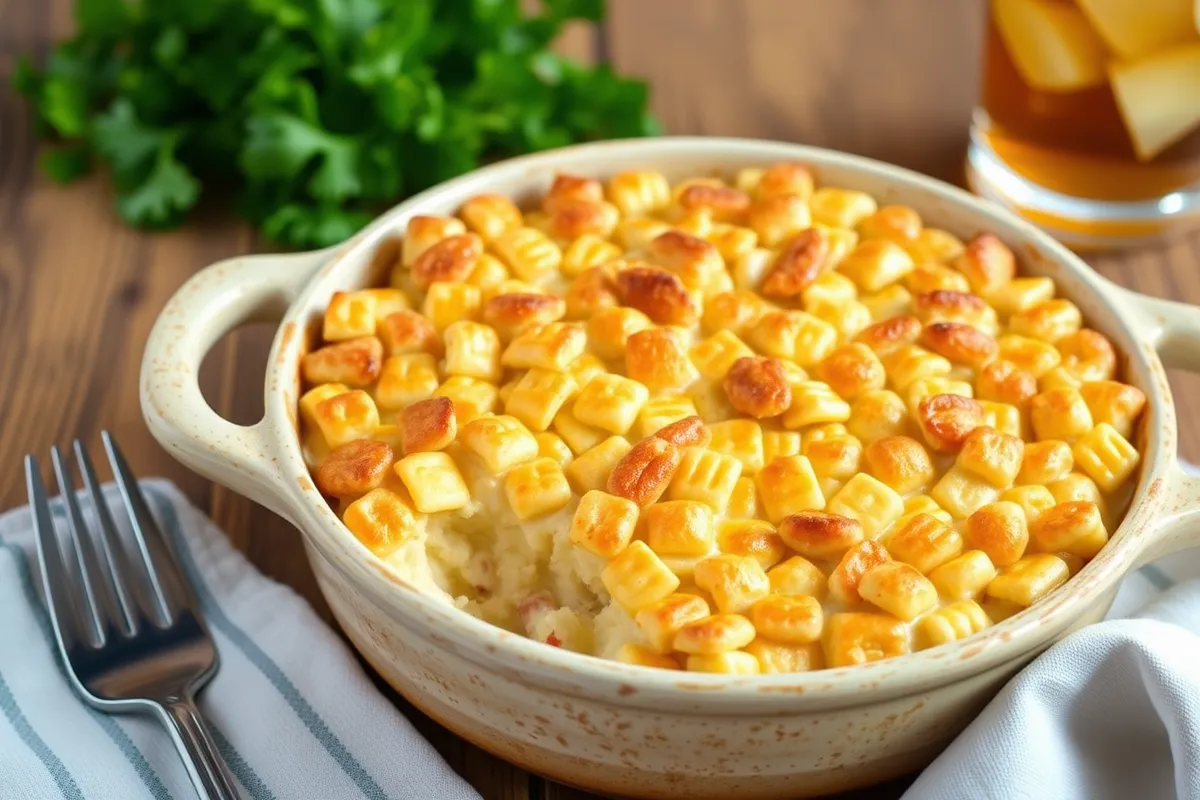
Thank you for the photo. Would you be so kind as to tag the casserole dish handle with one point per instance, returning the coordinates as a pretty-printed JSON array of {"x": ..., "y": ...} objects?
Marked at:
[
  {"x": 213, "y": 302},
  {"x": 1173, "y": 329}
]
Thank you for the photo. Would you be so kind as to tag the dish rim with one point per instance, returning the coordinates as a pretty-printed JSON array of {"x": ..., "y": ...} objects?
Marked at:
[{"x": 494, "y": 648}]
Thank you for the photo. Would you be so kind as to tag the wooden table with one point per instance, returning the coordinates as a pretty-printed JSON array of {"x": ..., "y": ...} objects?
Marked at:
[{"x": 79, "y": 292}]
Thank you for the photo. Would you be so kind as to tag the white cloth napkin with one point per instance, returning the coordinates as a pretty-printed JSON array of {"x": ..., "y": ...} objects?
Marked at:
[
  {"x": 1110, "y": 712},
  {"x": 293, "y": 714},
  {"x": 1113, "y": 711}
]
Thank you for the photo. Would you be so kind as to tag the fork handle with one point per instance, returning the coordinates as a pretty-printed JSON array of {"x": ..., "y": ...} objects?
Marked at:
[{"x": 204, "y": 764}]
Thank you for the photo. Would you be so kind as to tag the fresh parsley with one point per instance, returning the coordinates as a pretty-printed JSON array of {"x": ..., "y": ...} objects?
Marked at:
[{"x": 318, "y": 112}]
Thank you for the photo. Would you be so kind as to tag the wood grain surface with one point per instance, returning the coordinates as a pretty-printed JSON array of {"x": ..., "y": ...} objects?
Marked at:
[{"x": 79, "y": 292}]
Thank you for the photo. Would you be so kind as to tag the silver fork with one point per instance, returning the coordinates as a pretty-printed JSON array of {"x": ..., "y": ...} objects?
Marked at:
[{"x": 130, "y": 631}]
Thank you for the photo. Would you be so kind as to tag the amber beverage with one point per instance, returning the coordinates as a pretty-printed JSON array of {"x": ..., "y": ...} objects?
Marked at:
[{"x": 1089, "y": 118}]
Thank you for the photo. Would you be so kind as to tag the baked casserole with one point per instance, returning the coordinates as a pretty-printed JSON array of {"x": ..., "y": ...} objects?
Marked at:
[{"x": 735, "y": 426}]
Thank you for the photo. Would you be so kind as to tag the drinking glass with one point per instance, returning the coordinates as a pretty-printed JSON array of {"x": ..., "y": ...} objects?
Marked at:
[{"x": 1089, "y": 117}]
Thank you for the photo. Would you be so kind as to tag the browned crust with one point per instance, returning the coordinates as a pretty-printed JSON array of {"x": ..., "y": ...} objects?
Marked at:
[
  {"x": 820, "y": 535},
  {"x": 572, "y": 218},
  {"x": 1005, "y": 382},
  {"x": 885, "y": 336},
  {"x": 852, "y": 369},
  {"x": 1067, "y": 516},
  {"x": 785, "y": 178},
  {"x": 769, "y": 213},
  {"x": 490, "y": 208},
  {"x": 854, "y": 564},
  {"x": 987, "y": 262},
  {"x": 758, "y": 386},
  {"x": 658, "y": 294},
  {"x": 354, "y": 468},
  {"x": 643, "y": 473},
  {"x": 735, "y": 310},
  {"x": 898, "y": 460},
  {"x": 355, "y": 362},
  {"x": 676, "y": 246},
  {"x": 1120, "y": 397},
  {"x": 429, "y": 425},
  {"x": 572, "y": 187},
  {"x": 798, "y": 265},
  {"x": 451, "y": 259},
  {"x": 657, "y": 358},
  {"x": 893, "y": 222},
  {"x": 949, "y": 301},
  {"x": 1087, "y": 345},
  {"x": 1001, "y": 535},
  {"x": 592, "y": 290},
  {"x": 725, "y": 202},
  {"x": 959, "y": 342},
  {"x": 519, "y": 309},
  {"x": 409, "y": 332},
  {"x": 947, "y": 420},
  {"x": 687, "y": 432},
  {"x": 989, "y": 445},
  {"x": 713, "y": 634}
]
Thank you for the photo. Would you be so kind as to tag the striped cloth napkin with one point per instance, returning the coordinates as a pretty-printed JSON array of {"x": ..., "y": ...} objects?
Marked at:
[
  {"x": 293, "y": 714},
  {"x": 1112, "y": 712}
]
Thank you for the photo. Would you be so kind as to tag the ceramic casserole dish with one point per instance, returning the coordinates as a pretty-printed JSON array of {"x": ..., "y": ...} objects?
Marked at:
[{"x": 607, "y": 726}]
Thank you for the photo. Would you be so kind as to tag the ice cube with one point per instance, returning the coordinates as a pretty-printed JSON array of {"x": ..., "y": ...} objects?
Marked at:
[
  {"x": 1051, "y": 44},
  {"x": 1135, "y": 29},
  {"x": 1159, "y": 97}
]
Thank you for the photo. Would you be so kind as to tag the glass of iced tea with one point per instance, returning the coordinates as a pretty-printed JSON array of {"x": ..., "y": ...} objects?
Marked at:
[{"x": 1089, "y": 117}]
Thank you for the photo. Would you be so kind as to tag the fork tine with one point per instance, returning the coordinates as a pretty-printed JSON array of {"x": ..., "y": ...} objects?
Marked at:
[
  {"x": 167, "y": 584},
  {"x": 115, "y": 566},
  {"x": 90, "y": 603},
  {"x": 55, "y": 582}
]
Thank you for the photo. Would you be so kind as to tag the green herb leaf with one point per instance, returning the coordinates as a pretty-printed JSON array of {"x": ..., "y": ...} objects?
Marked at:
[
  {"x": 66, "y": 163},
  {"x": 319, "y": 113},
  {"x": 576, "y": 9},
  {"x": 350, "y": 19},
  {"x": 170, "y": 47},
  {"x": 163, "y": 197},
  {"x": 64, "y": 104},
  {"x": 106, "y": 18},
  {"x": 279, "y": 145},
  {"x": 337, "y": 177},
  {"x": 313, "y": 226},
  {"x": 123, "y": 140}
]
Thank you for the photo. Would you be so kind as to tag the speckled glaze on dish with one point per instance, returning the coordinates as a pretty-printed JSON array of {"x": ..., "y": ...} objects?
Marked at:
[{"x": 611, "y": 727}]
